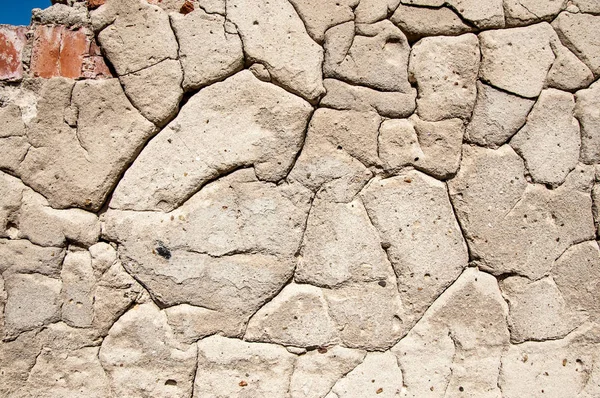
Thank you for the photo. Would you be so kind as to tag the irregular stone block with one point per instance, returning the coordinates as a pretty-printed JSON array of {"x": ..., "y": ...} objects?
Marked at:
[
  {"x": 134, "y": 35},
  {"x": 155, "y": 91},
  {"x": 351, "y": 254},
  {"x": 419, "y": 22},
  {"x": 445, "y": 71},
  {"x": 586, "y": 111},
  {"x": 377, "y": 58},
  {"x": 319, "y": 15},
  {"x": 274, "y": 34},
  {"x": 517, "y": 60},
  {"x": 567, "y": 73},
  {"x": 77, "y": 167},
  {"x": 564, "y": 367},
  {"x": 23, "y": 257},
  {"x": 576, "y": 274},
  {"x": 343, "y": 96},
  {"x": 240, "y": 122},
  {"x": 522, "y": 12},
  {"x": 579, "y": 33},
  {"x": 317, "y": 371},
  {"x": 422, "y": 238},
  {"x": 458, "y": 343},
  {"x": 296, "y": 317},
  {"x": 378, "y": 374},
  {"x": 497, "y": 116},
  {"x": 550, "y": 140},
  {"x": 324, "y": 165},
  {"x": 513, "y": 226},
  {"x": 238, "y": 368},
  {"x": 371, "y": 11},
  {"x": 209, "y": 49},
  {"x": 537, "y": 310},
  {"x": 33, "y": 301},
  {"x": 77, "y": 289},
  {"x": 140, "y": 356}
]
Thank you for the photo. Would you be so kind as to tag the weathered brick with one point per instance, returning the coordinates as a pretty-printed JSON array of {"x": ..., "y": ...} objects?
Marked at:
[
  {"x": 12, "y": 41},
  {"x": 59, "y": 51},
  {"x": 95, "y": 3},
  {"x": 74, "y": 47}
]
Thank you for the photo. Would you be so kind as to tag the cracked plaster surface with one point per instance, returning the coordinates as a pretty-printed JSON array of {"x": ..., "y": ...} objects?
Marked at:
[{"x": 299, "y": 198}]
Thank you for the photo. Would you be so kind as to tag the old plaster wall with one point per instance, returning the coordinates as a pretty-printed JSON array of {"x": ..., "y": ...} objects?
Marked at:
[{"x": 301, "y": 198}]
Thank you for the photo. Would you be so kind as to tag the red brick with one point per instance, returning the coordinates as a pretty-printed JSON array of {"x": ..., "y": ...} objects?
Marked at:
[
  {"x": 58, "y": 51},
  {"x": 46, "y": 51},
  {"x": 95, "y": 3},
  {"x": 12, "y": 41},
  {"x": 74, "y": 47}
]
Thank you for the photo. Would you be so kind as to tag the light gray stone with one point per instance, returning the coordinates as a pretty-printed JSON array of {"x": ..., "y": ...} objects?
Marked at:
[
  {"x": 523, "y": 12},
  {"x": 560, "y": 368},
  {"x": 343, "y": 96},
  {"x": 377, "y": 57},
  {"x": 240, "y": 122},
  {"x": 77, "y": 167},
  {"x": 550, "y": 140},
  {"x": 588, "y": 6},
  {"x": 445, "y": 71},
  {"x": 141, "y": 356},
  {"x": 33, "y": 301},
  {"x": 156, "y": 90},
  {"x": 67, "y": 373},
  {"x": 497, "y": 116},
  {"x": 23, "y": 257},
  {"x": 378, "y": 375},
  {"x": 483, "y": 15},
  {"x": 371, "y": 11},
  {"x": 351, "y": 254},
  {"x": 586, "y": 111},
  {"x": 518, "y": 59},
  {"x": 568, "y": 73},
  {"x": 337, "y": 152},
  {"x": 368, "y": 316},
  {"x": 318, "y": 15},
  {"x": 296, "y": 317},
  {"x": 77, "y": 291},
  {"x": 231, "y": 367},
  {"x": 419, "y": 22},
  {"x": 422, "y": 238},
  {"x": 456, "y": 348},
  {"x": 230, "y": 248},
  {"x": 579, "y": 33},
  {"x": 190, "y": 323},
  {"x": 316, "y": 372},
  {"x": 134, "y": 35},
  {"x": 537, "y": 310},
  {"x": 576, "y": 274},
  {"x": 208, "y": 50},
  {"x": 273, "y": 34},
  {"x": 513, "y": 226},
  {"x": 45, "y": 226}
]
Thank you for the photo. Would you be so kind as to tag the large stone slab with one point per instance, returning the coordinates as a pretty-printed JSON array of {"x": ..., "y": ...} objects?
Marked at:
[
  {"x": 420, "y": 234},
  {"x": 141, "y": 356},
  {"x": 550, "y": 140},
  {"x": 273, "y": 34},
  {"x": 445, "y": 71},
  {"x": 78, "y": 164},
  {"x": 240, "y": 122},
  {"x": 518, "y": 59}
]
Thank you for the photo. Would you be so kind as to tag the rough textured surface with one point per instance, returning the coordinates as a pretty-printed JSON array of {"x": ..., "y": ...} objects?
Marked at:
[{"x": 301, "y": 199}]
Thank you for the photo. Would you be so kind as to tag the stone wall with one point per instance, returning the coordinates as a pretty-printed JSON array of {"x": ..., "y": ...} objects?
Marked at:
[{"x": 301, "y": 198}]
